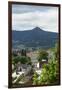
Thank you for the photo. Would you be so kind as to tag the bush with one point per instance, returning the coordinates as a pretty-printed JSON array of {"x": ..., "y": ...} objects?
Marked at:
[{"x": 35, "y": 78}]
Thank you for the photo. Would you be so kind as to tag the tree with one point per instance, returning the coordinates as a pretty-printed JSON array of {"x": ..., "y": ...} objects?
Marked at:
[
  {"x": 56, "y": 51},
  {"x": 42, "y": 55},
  {"x": 21, "y": 59},
  {"x": 57, "y": 57},
  {"x": 50, "y": 72},
  {"x": 29, "y": 61},
  {"x": 44, "y": 75},
  {"x": 35, "y": 78},
  {"x": 23, "y": 52}
]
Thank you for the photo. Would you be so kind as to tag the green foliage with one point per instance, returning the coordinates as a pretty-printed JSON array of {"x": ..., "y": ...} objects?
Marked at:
[
  {"x": 42, "y": 55},
  {"x": 35, "y": 78},
  {"x": 57, "y": 51},
  {"x": 44, "y": 76},
  {"x": 50, "y": 72},
  {"x": 28, "y": 60},
  {"x": 21, "y": 59}
]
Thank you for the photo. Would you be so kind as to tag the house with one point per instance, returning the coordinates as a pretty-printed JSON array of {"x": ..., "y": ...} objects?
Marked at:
[
  {"x": 43, "y": 61},
  {"x": 36, "y": 64},
  {"x": 23, "y": 69}
]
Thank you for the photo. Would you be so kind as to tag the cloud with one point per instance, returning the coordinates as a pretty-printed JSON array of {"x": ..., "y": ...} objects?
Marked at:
[
  {"x": 47, "y": 19},
  {"x": 27, "y": 8}
]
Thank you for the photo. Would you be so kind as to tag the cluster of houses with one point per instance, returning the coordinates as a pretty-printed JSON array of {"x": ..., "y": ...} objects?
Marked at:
[{"x": 24, "y": 68}]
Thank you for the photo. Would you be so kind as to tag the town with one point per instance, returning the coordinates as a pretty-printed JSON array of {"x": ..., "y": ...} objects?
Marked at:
[{"x": 27, "y": 64}]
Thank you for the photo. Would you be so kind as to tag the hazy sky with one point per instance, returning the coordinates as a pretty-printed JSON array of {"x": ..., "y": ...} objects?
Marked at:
[{"x": 26, "y": 17}]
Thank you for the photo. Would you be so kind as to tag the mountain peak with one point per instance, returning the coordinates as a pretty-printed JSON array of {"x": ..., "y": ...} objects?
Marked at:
[{"x": 37, "y": 29}]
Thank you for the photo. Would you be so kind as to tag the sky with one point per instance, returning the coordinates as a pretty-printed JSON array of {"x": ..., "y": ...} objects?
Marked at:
[{"x": 27, "y": 17}]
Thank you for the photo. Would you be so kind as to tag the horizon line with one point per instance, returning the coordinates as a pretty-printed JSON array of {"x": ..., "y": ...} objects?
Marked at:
[{"x": 34, "y": 28}]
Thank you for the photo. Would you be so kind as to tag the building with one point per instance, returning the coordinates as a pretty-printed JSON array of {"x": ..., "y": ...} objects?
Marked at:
[{"x": 23, "y": 69}]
